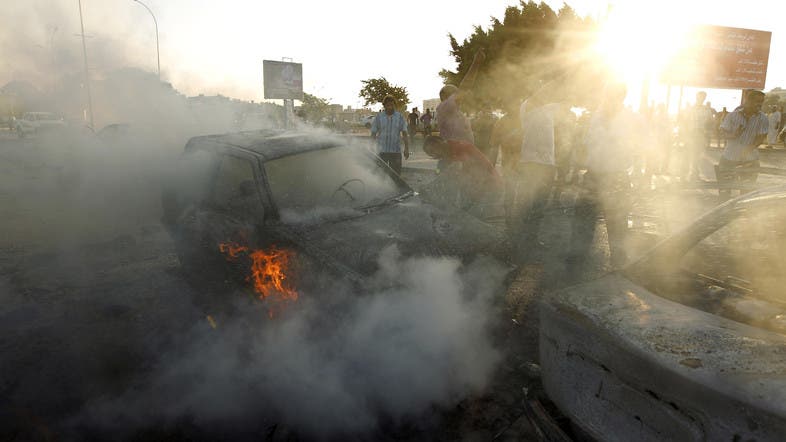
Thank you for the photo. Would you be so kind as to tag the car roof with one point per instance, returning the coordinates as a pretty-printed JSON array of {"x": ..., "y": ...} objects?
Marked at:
[
  {"x": 270, "y": 144},
  {"x": 767, "y": 198},
  {"x": 768, "y": 194}
]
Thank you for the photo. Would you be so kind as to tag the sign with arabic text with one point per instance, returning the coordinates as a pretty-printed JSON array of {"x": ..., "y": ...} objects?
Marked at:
[{"x": 721, "y": 57}]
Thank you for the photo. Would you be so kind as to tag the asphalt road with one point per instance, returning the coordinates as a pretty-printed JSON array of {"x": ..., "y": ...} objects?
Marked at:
[{"x": 93, "y": 298}]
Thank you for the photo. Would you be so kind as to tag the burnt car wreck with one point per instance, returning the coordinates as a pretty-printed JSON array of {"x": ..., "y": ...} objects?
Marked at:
[
  {"x": 327, "y": 200},
  {"x": 688, "y": 342}
]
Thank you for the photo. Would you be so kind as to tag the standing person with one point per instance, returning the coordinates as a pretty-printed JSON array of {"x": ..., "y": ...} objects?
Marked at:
[
  {"x": 482, "y": 125},
  {"x": 413, "y": 123},
  {"x": 537, "y": 166},
  {"x": 506, "y": 136},
  {"x": 426, "y": 120},
  {"x": 664, "y": 139},
  {"x": 744, "y": 129},
  {"x": 611, "y": 143},
  {"x": 452, "y": 124},
  {"x": 783, "y": 118},
  {"x": 387, "y": 129},
  {"x": 774, "y": 127},
  {"x": 695, "y": 124},
  {"x": 709, "y": 125},
  {"x": 718, "y": 121}
]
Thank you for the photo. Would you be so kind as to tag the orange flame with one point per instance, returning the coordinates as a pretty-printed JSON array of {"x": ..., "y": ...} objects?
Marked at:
[
  {"x": 268, "y": 273},
  {"x": 232, "y": 249}
]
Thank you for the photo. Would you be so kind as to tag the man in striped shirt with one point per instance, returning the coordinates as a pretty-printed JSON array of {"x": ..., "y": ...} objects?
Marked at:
[
  {"x": 388, "y": 128},
  {"x": 745, "y": 129}
]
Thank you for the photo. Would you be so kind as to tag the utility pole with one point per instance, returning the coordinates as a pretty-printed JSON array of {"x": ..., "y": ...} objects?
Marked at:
[
  {"x": 87, "y": 74},
  {"x": 289, "y": 106}
]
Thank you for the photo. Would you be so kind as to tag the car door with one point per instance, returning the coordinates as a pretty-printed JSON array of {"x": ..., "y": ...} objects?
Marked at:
[
  {"x": 234, "y": 212},
  {"x": 213, "y": 203}
]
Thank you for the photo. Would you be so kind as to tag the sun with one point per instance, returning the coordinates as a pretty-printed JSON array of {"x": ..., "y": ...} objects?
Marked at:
[{"x": 637, "y": 42}]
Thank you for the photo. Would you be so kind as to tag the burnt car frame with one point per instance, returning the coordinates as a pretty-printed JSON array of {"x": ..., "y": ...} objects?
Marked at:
[
  {"x": 687, "y": 343},
  {"x": 327, "y": 197}
]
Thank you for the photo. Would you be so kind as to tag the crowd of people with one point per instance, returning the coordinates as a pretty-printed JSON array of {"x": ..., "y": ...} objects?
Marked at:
[{"x": 606, "y": 151}]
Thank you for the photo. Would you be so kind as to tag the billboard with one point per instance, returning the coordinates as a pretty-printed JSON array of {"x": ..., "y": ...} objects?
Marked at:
[
  {"x": 722, "y": 58},
  {"x": 282, "y": 80}
]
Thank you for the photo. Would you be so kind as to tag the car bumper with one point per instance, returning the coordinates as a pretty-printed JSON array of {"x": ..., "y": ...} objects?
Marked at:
[{"x": 625, "y": 364}]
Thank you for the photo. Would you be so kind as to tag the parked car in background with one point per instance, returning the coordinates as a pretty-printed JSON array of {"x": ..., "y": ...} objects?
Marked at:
[
  {"x": 37, "y": 122},
  {"x": 114, "y": 131},
  {"x": 687, "y": 343},
  {"x": 367, "y": 120}
]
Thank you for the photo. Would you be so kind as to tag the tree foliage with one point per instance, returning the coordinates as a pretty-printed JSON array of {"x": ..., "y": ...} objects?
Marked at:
[
  {"x": 529, "y": 46},
  {"x": 375, "y": 89},
  {"x": 314, "y": 108}
]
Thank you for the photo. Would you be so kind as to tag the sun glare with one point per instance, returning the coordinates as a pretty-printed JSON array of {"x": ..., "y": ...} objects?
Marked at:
[{"x": 636, "y": 42}]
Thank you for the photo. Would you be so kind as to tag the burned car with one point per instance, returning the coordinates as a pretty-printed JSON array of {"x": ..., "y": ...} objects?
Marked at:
[
  {"x": 687, "y": 343},
  {"x": 323, "y": 203}
]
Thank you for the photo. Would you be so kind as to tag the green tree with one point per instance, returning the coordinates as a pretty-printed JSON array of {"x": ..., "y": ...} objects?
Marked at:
[
  {"x": 531, "y": 45},
  {"x": 313, "y": 108},
  {"x": 375, "y": 89},
  {"x": 770, "y": 100}
]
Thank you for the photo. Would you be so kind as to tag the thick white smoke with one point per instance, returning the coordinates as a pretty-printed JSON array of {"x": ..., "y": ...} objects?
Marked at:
[{"x": 389, "y": 354}]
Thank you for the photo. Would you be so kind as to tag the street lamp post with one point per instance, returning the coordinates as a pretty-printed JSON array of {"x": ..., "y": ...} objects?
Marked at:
[
  {"x": 87, "y": 73},
  {"x": 158, "y": 54}
]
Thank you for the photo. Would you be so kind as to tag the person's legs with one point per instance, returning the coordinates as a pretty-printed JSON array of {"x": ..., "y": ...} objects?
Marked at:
[
  {"x": 520, "y": 206},
  {"x": 585, "y": 215},
  {"x": 510, "y": 180},
  {"x": 665, "y": 146},
  {"x": 725, "y": 171},
  {"x": 393, "y": 160},
  {"x": 749, "y": 177},
  {"x": 616, "y": 206},
  {"x": 695, "y": 152},
  {"x": 494, "y": 155},
  {"x": 541, "y": 181}
]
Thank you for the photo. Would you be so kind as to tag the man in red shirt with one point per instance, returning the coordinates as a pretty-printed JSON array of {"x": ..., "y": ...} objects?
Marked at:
[{"x": 477, "y": 178}]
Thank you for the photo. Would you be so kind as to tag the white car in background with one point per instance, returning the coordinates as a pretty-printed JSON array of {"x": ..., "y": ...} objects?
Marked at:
[
  {"x": 367, "y": 120},
  {"x": 36, "y": 122}
]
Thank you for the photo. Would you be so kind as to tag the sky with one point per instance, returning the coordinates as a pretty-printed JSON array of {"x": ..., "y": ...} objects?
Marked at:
[{"x": 217, "y": 47}]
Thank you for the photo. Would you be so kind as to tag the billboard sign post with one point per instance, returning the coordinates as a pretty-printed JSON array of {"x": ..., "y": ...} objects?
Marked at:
[{"x": 283, "y": 80}]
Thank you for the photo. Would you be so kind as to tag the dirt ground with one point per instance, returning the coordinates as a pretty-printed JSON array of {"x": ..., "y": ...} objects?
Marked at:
[{"x": 92, "y": 300}]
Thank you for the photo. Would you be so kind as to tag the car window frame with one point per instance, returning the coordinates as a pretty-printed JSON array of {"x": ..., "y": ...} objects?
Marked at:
[
  {"x": 276, "y": 214},
  {"x": 666, "y": 258},
  {"x": 209, "y": 202}
]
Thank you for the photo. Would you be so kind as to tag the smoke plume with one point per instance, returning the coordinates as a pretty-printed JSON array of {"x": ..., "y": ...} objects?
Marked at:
[{"x": 388, "y": 354}]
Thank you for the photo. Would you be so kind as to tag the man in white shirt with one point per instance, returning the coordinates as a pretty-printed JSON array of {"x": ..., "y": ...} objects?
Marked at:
[
  {"x": 694, "y": 131},
  {"x": 612, "y": 140},
  {"x": 536, "y": 168}
]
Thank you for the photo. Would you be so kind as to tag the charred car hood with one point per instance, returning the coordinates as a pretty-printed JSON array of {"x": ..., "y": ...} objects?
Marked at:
[{"x": 415, "y": 227}]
